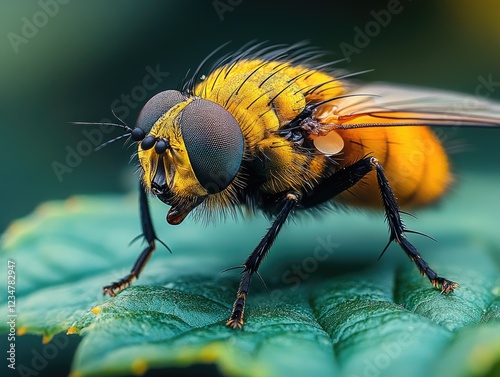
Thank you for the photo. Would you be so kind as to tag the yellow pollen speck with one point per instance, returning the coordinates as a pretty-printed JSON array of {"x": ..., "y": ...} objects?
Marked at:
[
  {"x": 96, "y": 310},
  {"x": 210, "y": 353},
  {"x": 75, "y": 374},
  {"x": 139, "y": 367},
  {"x": 73, "y": 203},
  {"x": 15, "y": 231},
  {"x": 15, "y": 226},
  {"x": 46, "y": 339},
  {"x": 72, "y": 330},
  {"x": 43, "y": 209},
  {"x": 21, "y": 331}
]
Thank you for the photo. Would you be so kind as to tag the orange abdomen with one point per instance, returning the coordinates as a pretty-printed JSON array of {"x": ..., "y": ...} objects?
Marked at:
[{"x": 413, "y": 158}]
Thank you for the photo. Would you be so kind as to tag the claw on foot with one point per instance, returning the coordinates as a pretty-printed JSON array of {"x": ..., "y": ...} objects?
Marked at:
[
  {"x": 235, "y": 323},
  {"x": 447, "y": 286},
  {"x": 110, "y": 290},
  {"x": 118, "y": 286}
]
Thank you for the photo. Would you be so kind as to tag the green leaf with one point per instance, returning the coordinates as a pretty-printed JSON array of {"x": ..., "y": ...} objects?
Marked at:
[{"x": 331, "y": 308}]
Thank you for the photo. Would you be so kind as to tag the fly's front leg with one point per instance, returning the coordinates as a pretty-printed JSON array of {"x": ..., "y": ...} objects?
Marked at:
[
  {"x": 254, "y": 260},
  {"x": 149, "y": 234}
]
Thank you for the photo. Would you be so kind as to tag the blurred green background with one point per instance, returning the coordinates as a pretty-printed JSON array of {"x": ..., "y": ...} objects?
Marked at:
[{"x": 84, "y": 56}]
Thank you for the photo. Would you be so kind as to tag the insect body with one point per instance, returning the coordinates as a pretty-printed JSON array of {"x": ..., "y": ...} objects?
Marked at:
[{"x": 265, "y": 130}]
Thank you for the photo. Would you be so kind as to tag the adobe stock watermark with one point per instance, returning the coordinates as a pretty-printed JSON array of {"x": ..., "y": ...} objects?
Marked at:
[
  {"x": 93, "y": 137},
  {"x": 485, "y": 88},
  {"x": 30, "y": 26},
  {"x": 298, "y": 273},
  {"x": 40, "y": 358},
  {"x": 224, "y": 6},
  {"x": 11, "y": 313},
  {"x": 372, "y": 29},
  {"x": 425, "y": 148},
  {"x": 388, "y": 352}
]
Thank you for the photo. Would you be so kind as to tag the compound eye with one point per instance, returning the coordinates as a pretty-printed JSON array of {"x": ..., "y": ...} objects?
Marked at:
[
  {"x": 158, "y": 105},
  {"x": 214, "y": 143}
]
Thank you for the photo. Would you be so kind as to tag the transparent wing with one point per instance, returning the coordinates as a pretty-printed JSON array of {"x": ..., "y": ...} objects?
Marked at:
[{"x": 382, "y": 105}]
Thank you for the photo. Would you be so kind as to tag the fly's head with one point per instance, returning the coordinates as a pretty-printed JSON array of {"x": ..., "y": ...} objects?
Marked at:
[{"x": 189, "y": 149}]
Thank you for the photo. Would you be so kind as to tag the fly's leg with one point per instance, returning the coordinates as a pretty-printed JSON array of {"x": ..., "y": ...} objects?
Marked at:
[
  {"x": 254, "y": 260},
  {"x": 397, "y": 233},
  {"x": 149, "y": 234},
  {"x": 346, "y": 178},
  {"x": 332, "y": 186}
]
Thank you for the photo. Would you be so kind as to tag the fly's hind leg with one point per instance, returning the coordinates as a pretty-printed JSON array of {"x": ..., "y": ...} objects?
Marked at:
[
  {"x": 149, "y": 234},
  {"x": 348, "y": 177},
  {"x": 397, "y": 231}
]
